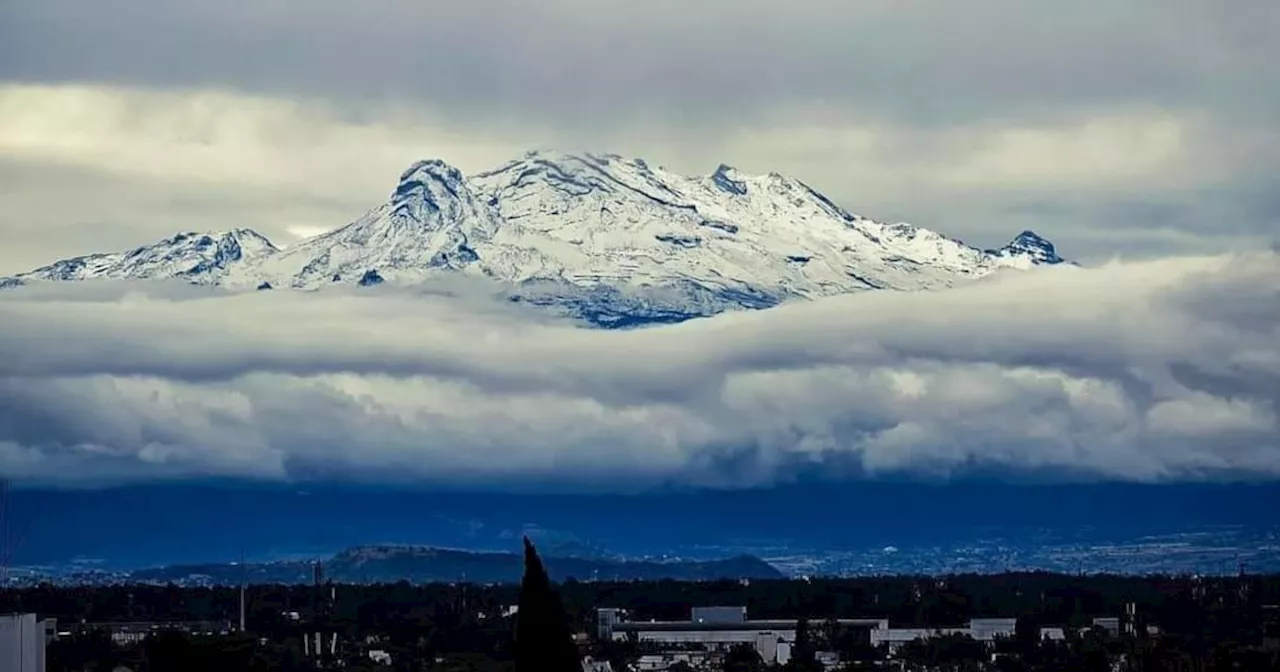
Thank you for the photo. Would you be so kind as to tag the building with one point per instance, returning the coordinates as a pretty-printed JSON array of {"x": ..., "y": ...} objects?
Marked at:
[
  {"x": 1271, "y": 627},
  {"x": 718, "y": 615},
  {"x": 22, "y": 643},
  {"x": 1053, "y": 634},
  {"x": 1110, "y": 624},
  {"x": 128, "y": 633},
  {"x": 988, "y": 629},
  {"x": 894, "y": 639},
  {"x": 980, "y": 629},
  {"x": 590, "y": 665},
  {"x": 661, "y": 662},
  {"x": 716, "y": 629},
  {"x": 606, "y": 619},
  {"x": 829, "y": 660},
  {"x": 783, "y": 654}
]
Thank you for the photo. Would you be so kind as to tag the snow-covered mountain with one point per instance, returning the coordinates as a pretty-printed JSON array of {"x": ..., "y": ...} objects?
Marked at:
[
  {"x": 201, "y": 258},
  {"x": 600, "y": 236}
]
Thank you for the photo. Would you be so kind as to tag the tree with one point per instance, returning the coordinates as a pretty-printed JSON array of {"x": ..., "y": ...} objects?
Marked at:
[
  {"x": 951, "y": 652},
  {"x": 803, "y": 656},
  {"x": 743, "y": 658},
  {"x": 543, "y": 641}
]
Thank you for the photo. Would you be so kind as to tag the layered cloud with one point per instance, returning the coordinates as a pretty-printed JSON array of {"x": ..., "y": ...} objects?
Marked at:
[
  {"x": 1139, "y": 129},
  {"x": 1154, "y": 371}
]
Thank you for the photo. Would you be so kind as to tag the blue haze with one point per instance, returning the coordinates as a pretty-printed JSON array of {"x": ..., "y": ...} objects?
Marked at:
[{"x": 175, "y": 523}]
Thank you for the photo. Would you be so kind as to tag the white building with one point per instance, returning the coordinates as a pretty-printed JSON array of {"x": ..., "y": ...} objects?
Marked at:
[
  {"x": 22, "y": 643},
  {"x": 591, "y": 665},
  {"x": 895, "y": 638},
  {"x": 980, "y": 629},
  {"x": 829, "y": 660},
  {"x": 1053, "y": 634},
  {"x": 1110, "y": 624},
  {"x": 988, "y": 629},
  {"x": 717, "y": 629},
  {"x": 783, "y": 653}
]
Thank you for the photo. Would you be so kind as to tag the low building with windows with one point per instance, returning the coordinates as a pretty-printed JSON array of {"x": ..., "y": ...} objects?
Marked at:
[
  {"x": 980, "y": 629},
  {"x": 716, "y": 629},
  {"x": 129, "y": 633}
]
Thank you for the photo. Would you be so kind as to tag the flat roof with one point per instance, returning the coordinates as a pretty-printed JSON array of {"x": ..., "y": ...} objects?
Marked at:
[{"x": 770, "y": 624}]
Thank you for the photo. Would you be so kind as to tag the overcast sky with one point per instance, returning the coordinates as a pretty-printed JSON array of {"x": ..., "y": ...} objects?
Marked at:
[
  {"x": 1140, "y": 135},
  {"x": 1132, "y": 127}
]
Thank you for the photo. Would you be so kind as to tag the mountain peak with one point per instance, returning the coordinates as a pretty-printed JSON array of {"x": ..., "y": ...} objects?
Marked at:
[
  {"x": 232, "y": 244},
  {"x": 243, "y": 237},
  {"x": 1030, "y": 237},
  {"x": 728, "y": 179},
  {"x": 1032, "y": 245},
  {"x": 430, "y": 168},
  {"x": 430, "y": 186},
  {"x": 429, "y": 175},
  {"x": 561, "y": 158}
]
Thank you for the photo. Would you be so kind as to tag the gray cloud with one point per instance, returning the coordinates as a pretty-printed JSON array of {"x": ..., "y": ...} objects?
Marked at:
[
  {"x": 720, "y": 61},
  {"x": 1143, "y": 126},
  {"x": 1161, "y": 370}
]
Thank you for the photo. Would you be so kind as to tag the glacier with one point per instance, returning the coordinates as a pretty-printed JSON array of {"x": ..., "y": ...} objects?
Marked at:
[{"x": 598, "y": 237}]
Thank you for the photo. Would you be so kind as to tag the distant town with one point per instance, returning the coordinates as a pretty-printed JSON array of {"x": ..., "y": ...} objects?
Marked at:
[
  {"x": 1209, "y": 552},
  {"x": 1001, "y": 622}
]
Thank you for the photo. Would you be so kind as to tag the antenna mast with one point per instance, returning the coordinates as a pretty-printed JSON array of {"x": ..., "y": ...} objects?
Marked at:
[{"x": 6, "y": 540}]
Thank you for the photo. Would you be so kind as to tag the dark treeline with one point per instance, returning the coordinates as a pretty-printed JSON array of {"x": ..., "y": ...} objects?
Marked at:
[{"x": 461, "y": 627}]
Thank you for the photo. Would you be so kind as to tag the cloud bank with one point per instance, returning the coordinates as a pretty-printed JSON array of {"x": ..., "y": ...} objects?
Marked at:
[{"x": 1163, "y": 370}]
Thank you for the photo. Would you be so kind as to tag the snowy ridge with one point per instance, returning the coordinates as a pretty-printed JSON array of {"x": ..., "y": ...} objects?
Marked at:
[
  {"x": 603, "y": 237},
  {"x": 201, "y": 258}
]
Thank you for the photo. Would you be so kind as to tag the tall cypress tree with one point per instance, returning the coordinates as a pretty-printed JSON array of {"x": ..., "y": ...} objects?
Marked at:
[
  {"x": 803, "y": 656},
  {"x": 543, "y": 640}
]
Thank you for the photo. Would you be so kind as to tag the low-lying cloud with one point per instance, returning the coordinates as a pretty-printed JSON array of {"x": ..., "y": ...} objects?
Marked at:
[{"x": 1154, "y": 371}]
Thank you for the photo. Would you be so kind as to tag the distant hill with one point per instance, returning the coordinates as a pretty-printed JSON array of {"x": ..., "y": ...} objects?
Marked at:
[{"x": 423, "y": 564}]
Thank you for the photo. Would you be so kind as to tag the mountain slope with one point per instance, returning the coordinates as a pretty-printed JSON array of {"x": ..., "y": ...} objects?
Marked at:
[
  {"x": 433, "y": 222},
  {"x": 201, "y": 258},
  {"x": 609, "y": 239}
]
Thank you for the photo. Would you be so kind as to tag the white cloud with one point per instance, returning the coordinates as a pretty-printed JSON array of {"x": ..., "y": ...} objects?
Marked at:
[
  {"x": 303, "y": 231},
  {"x": 218, "y": 137},
  {"x": 214, "y": 137},
  {"x": 1161, "y": 370},
  {"x": 1096, "y": 153}
]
